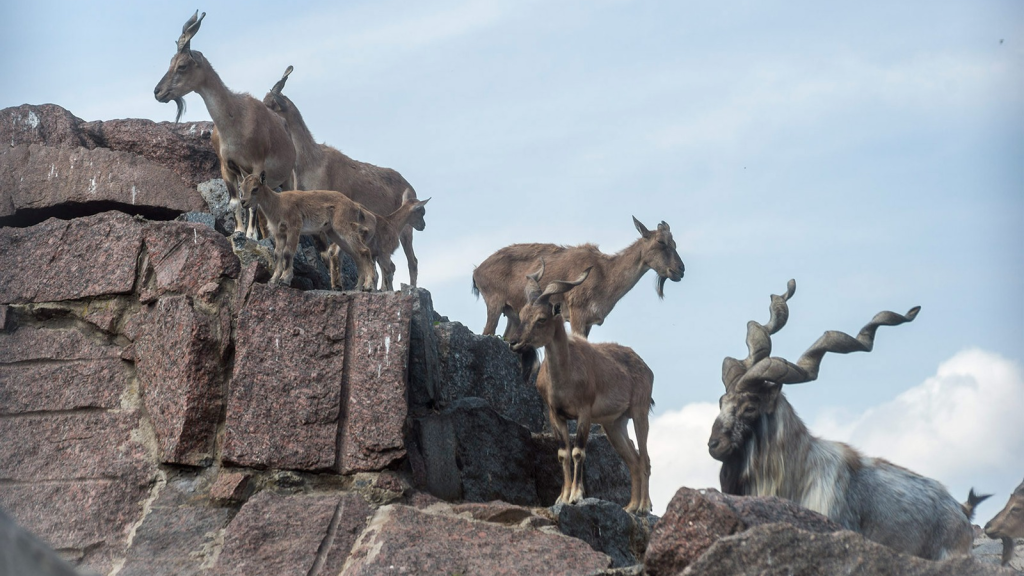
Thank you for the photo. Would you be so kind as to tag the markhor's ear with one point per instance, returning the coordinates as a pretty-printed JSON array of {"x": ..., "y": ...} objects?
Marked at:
[{"x": 644, "y": 232}]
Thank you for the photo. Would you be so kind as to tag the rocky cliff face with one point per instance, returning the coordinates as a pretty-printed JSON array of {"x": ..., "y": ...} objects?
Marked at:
[{"x": 164, "y": 411}]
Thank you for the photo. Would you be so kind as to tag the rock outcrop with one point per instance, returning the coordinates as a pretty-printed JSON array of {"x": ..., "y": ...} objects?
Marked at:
[{"x": 165, "y": 411}]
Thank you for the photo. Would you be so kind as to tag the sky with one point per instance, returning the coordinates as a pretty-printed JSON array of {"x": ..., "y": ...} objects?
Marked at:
[{"x": 873, "y": 151}]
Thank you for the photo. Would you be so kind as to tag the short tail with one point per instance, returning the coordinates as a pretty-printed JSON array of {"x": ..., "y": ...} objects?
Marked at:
[
  {"x": 972, "y": 502},
  {"x": 475, "y": 290}
]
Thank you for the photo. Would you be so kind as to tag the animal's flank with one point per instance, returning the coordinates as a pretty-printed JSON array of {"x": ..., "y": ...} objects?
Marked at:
[{"x": 500, "y": 279}]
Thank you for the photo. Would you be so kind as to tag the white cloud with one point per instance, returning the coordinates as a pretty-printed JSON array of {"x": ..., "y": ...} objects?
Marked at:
[
  {"x": 959, "y": 426},
  {"x": 678, "y": 445}
]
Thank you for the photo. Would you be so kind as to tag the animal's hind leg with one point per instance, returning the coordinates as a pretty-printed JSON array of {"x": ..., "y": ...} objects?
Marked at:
[
  {"x": 618, "y": 436},
  {"x": 642, "y": 427},
  {"x": 406, "y": 238}
]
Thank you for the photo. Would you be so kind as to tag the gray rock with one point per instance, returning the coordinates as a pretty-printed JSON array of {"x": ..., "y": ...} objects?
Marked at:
[
  {"x": 424, "y": 358},
  {"x": 470, "y": 452},
  {"x": 485, "y": 367},
  {"x": 990, "y": 551},
  {"x": 607, "y": 528},
  {"x": 215, "y": 193},
  {"x": 403, "y": 540},
  {"x": 310, "y": 273},
  {"x": 199, "y": 217}
]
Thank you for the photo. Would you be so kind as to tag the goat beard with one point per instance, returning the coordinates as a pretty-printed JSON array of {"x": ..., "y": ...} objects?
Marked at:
[
  {"x": 180, "y": 102},
  {"x": 660, "y": 287},
  {"x": 1007, "y": 550}
]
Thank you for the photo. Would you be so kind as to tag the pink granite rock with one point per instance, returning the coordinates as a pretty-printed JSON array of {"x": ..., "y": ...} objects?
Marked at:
[
  {"x": 291, "y": 535},
  {"x": 38, "y": 178},
  {"x": 403, "y": 540},
  {"x": 70, "y": 259},
  {"x": 180, "y": 362},
  {"x": 696, "y": 519},
  {"x": 77, "y": 480},
  {"x": 185, "y": 258}
]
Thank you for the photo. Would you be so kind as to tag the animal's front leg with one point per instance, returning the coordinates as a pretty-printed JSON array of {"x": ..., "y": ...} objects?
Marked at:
[
  {"x": 250, "y": 231},
  {"x": 561, "y": 429},
  {"x": 288, "y": 256},
  {"x": 579, "y": 454}
]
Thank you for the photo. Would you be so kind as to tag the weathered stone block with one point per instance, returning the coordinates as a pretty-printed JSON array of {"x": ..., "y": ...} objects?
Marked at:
[
  {"x": 283, "y": 535},
  {"x": 231, "y": 486},
  {"x": 34, "y": 178},
  {"x": 46, "y": 124},
  {"x": 185, "y": 148},
  {"x": 404, "y": 540},
  {"x": 76, "y": 480},
  {"x": 178, "y": 535},
  {"x": 185, "y": 258},
  {"x": 376, "y": 380},
  {"x": 180, "y": 365},
  {"x": 485, "y": 367},
  {"x": 784, "y": 548},
  {"x": 70, "y": 259},
  {"x": 47, "y": 370},
  {"x": 284, "y": 400}
]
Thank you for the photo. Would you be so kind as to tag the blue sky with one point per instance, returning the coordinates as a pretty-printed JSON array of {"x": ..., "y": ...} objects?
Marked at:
[{"x": 872, "y": 151}]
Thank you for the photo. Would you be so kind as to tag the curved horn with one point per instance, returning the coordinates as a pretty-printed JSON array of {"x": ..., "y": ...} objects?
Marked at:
[
  {"x": 806, "y": 368},
  {"x": 280, "y": 83},
  {"x": 562, "y": 286},
  {"x": 759, "y": 342},
  {"x": 189, "y": 30}
]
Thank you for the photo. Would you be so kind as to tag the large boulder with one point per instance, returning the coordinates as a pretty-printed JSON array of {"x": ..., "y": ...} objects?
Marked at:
[
  {"x": 403, "y": 540},
  {"x": 180, "y": 363},
  {"x": 180, "y": 533},
  {"x": 183, "y": 147},
  {"x": 79, "y": 480},
  {"x": 38, "y": 179},
  {"x": 607, "y": 528},
  {"x": 70, "y": 259},
  {"x": 58, "y": 165},
  {"x": 296, "y": 535},
  {"x": 785, "y": 549},
  {"x": 485, "y": 367},
  {"x": 696, "y": 519}
]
